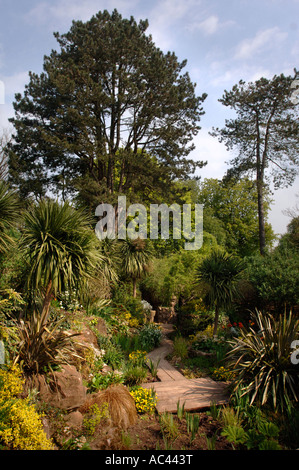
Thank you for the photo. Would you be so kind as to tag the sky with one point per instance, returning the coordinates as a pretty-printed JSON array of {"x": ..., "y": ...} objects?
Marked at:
[{"x": 223, "y": 42}]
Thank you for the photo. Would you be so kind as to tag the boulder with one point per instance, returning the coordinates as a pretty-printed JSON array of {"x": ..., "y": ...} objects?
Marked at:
[
  {"x": 74, "y": 420},
  {"x": 65, "y": 390},
  {"x": 101, "y": 327}
]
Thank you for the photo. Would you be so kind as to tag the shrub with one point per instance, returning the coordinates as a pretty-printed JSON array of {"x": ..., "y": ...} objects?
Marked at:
[
  {"x": 102, "y": 381},
  {"x": 134, "y": 374},
  {"x": 262, "y": 360},
  {"x": 275, "y": 278},
  {"x": 94, "y": 417},
  {"x": 42, "y": 345},
  {"x": 150, "y": 336},
  {"x": 20, "y": 427},
  {"x": 180, "y": 347},
  {"x": 138, "y": 357},
  {"x": 145, "y": 400},
  {"x": 223, "y": 374},
  {"x": 249, "y": 428},
  {"x": 168, "y": 426},
  {"x": 121, "y": 405}
]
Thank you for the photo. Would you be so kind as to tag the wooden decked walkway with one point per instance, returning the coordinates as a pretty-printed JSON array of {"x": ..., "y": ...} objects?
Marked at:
[{"x": 173, "y": 387}]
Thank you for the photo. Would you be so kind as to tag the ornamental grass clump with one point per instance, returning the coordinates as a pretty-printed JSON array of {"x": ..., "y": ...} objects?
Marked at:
[
  {"x": 121, "y": 405},
  {"x": 262, "y": 361},
  {"x": 20, "y": 424}
]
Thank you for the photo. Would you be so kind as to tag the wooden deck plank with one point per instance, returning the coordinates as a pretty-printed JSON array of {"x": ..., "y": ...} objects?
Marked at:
[{"x": 173, "y": 387}]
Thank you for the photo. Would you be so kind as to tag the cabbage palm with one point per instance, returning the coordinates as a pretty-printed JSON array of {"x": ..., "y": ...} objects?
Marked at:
[
  {"x": 9, "y": 214},
  {"x": 219, "y": 274},
  {"x": 61, "y": 247},
  {"x": 135, "y": 256}
]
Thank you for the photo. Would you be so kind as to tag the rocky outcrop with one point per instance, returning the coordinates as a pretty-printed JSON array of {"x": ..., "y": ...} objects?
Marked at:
[
  {"x": 166, "y": 314},
  {"x": 64, "y": 390}
]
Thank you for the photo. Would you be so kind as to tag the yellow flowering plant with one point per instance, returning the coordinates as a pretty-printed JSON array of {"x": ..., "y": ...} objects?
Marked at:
[
  {"x": 20, "y": 424},
  {"x": 138, "y": 357},
  {"x": 145, "y": 400},
  {"x": 223, "y": 374}
]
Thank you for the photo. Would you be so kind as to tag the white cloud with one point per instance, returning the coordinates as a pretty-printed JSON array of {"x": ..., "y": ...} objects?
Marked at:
[
  {"x": 64, "y": 11},
  {"x": 6, "y": 112},
  {"x": 251, "y": 47},
  {"x": 12, "y": 84},
  {"x": 167, "y": 16},
  {"x": 209, "y": 149},
  {"x": 227, "y": 74},
  {"x": 210, "y": 25},
  {"x": 15, "y": 83}
]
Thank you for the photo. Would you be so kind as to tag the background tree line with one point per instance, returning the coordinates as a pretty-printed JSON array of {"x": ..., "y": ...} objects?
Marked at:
[{"x": 112, "y": 114}]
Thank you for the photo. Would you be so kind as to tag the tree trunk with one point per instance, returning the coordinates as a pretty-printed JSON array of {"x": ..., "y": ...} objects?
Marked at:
[
  {"x": 134, "y": 288},
  {"x": 47, "y": 300},
  {"x": 216, "y": 320},
  {"x": 261, "y": 215}
]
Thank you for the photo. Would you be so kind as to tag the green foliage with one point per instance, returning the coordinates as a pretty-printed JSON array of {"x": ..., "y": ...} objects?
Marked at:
[
  {"x": 41, "y": 344},
  {"x": 61, "y": 248},
  {"x": 193, "y": 316},
  {"x": 9, "y": 215},
  {"x": 235, "y": 434},
  {"x": 174, "y": 275},
  {"x": 134, "y": 374},
  {"x": 220, "y": 274},
  {"x": 180, "y": 347},
  {"x": 192, "y": 421},
  {"x": 230, "y": 214},
  {"x": 82, "y": 137},
  {"x": 168, "y": 426},
  {"x": 180, "y": 410},
  {"x": 135, "y": 256},
  {"x": 113, "y": 356},
  {"x": 145, "y": 400},
  {"x": 246, "y": 427},
  {"x": 150, "y": 336},
  {"x": 275, "y": 278},
  {"x": 100, "y": 381},
  {"x": 262, "y": 360}
]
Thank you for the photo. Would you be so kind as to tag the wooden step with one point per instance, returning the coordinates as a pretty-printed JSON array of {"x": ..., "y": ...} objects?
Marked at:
[{"x": 196, "y": 394}]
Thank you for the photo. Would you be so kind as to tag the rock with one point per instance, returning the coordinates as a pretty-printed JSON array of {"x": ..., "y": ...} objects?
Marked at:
[
  {"x": 152, "y": 316},
  {"x": 165, "y": 315},
  {"x": 87, "y": 336},
  {"x": 46, "y": 427},
  {"x": 74, "y": 420},
  {"x": 101, "y": 327},
  {"x": 66, "y": 391}
]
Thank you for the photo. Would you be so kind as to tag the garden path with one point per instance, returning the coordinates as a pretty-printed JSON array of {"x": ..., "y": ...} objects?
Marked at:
[{"x": 173, "y": 387}]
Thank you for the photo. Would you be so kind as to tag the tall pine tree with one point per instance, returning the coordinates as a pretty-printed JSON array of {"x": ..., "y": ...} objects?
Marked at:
[
  {"x": 110, "y": 114},
  {"x": 266, "y": 134}
]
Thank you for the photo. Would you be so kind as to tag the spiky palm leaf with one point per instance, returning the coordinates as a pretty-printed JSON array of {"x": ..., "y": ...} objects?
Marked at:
[
  {"x": 262, "y": 360},
  {"x": 42, "y": 344},
  {"x": 61, "y": 247},
  {"x": 9, "y": 214},
  {"x": 219, "y": 274},
  {"x": 135, "y": 256}
]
